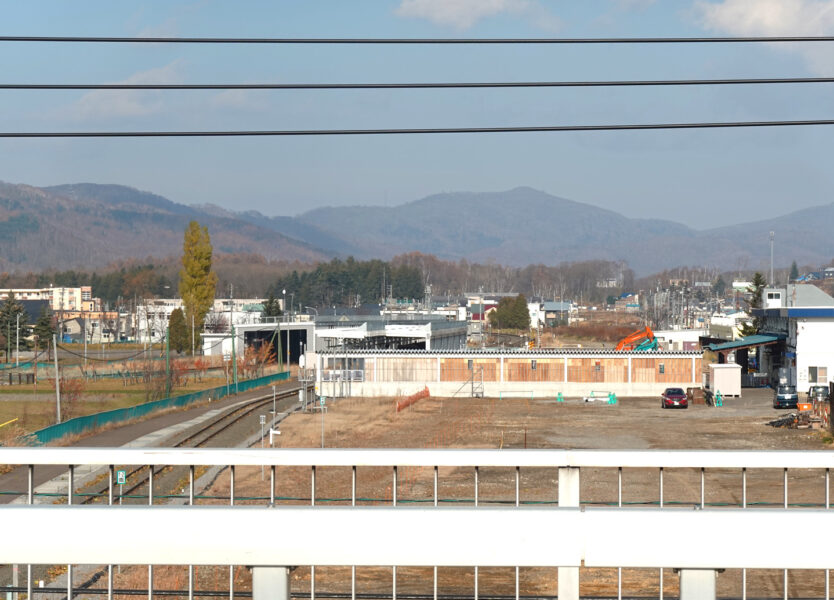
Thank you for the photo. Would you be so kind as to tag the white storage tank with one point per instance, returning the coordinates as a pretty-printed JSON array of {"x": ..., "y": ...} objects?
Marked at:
[{"x": 725, "y": 378}]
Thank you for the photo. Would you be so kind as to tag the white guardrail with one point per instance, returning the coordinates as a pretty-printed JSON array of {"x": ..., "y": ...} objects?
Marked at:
[{"x": 697, "y": 540}]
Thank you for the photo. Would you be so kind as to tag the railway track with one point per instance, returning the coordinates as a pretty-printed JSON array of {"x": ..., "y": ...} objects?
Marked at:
[{"x": 138, "y": 477}]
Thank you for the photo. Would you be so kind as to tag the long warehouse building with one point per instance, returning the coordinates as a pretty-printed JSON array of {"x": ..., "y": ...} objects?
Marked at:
[{"x": 536, "y": 373}]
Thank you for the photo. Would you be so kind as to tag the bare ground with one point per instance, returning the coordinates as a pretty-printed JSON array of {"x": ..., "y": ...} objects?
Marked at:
[{"x": 520, "y": 423}]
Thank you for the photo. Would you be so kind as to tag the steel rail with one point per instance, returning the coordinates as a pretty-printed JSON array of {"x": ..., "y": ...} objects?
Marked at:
[{"x": 233, "y": 416}]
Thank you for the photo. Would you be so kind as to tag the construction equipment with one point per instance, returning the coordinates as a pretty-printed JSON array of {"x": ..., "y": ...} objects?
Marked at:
[{"x": 639, "y": 341}]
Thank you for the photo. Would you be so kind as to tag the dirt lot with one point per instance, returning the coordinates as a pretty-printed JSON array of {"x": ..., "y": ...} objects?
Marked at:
[{"x": 519, "y": 423}]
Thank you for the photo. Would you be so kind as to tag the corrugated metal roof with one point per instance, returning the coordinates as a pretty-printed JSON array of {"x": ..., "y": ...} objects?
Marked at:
[
  {"x": 523, "y": 352},
  {"x": 556, "y": 306},
  {"x": 745, "y": 342},
  {"x": 807, "y": 296}
]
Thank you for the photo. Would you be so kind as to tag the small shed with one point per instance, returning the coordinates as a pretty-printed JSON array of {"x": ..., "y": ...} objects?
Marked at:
[{"x": 725, "y": 378}]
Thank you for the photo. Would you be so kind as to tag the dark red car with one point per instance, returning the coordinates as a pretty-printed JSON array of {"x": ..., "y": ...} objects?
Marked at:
[{"x": 674, "y": 398}]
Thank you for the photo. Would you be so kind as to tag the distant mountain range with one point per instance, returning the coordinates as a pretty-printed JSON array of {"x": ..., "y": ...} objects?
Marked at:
[
  {"x": 526, "y": 226},
  {"x": 89, "y": 226}
]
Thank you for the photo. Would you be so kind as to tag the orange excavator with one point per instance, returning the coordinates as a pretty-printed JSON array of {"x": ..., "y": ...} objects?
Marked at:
[{"x": 639, "y": 341}]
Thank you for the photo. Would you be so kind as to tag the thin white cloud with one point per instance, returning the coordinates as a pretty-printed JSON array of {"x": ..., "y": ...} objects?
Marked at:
[
  {"x": 237, "y": 100},
  {"x": 167, "y": 28},
  {"x": 769, "y": 17},
  {"x": 775, "y": 17},
  {"x": 463, "y": 14},
  {"x": 634, "y": 4},
  {"x": 110, "y": 104}
]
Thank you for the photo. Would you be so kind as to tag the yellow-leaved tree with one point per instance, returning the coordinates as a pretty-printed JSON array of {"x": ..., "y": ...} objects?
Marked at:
[{"x": 197, "y": 280}]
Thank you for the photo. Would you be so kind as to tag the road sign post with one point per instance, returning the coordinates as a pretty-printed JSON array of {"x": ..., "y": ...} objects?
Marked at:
[{"x": 121, "y": 479}]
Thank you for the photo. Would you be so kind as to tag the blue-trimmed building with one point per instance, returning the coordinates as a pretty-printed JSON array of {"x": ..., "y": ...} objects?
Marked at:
[{"x": 802, "y": 318}]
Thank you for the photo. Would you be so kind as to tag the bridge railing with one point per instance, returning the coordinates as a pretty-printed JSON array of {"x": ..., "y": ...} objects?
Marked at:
[{"x": 695, "y": 538}]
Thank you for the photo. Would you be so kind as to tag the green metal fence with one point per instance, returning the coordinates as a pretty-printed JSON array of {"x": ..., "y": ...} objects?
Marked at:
[
  {"x": 85, "y": 424},
  {"x": 24, "y": 365}
]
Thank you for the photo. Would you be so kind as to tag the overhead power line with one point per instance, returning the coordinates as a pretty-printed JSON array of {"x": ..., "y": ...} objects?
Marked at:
[
  {"x": 433, "y": 130},
  {"x": 225, "y": 40},
  {"x": 425, "y": 85}
]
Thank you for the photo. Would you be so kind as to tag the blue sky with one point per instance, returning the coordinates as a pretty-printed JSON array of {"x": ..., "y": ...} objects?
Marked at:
[{"x": 702, "y": 178}]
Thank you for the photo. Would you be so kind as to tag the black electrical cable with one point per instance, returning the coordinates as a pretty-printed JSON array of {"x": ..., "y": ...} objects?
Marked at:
[
  {"x": 434, "y": 130},
  {"x": 94, "y": 359},
  {"x": 244, "y": 40},
  {"x": 406, "y": 86}
]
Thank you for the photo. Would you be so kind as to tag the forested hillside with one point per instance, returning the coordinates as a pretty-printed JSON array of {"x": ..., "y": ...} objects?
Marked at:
[{"x": 89, "y": 226}]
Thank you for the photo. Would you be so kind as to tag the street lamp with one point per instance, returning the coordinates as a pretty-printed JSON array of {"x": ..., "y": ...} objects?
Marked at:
[
  {"x": 313, "y": 308},
  {"x": 284, "y": 302}
]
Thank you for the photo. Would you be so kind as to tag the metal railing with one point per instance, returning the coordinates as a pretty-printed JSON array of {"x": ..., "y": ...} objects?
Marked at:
[{"x": 695, "y": 537}]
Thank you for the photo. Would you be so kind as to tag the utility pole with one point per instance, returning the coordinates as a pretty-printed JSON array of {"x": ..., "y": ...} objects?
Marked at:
[
  {"x": 37, "y": 342},
  {"x": 148, "y": 327},
  {"x": 772, "y": 234},
  {"x": 17, "y": 341},
  {"x": 192, "y": 335},
  {"x": 280, "y": 346},
  {"x": 234, "y": 356},
  {"x": 284, "y": 307},
  {"x": 232, "y": 329},
  {"x": 57, "y": 380},
  {"x": 84, "y": 323},
  {"x": 263, "y": 422},
  {"x": 167, "y": 362}
]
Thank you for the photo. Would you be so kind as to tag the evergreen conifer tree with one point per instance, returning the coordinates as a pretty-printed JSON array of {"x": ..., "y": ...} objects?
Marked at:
[
  {"x": 178, "y": 332},
  {"x": 272, "y": 308},
  {"x": 44, "y": 329},
  {"x": 14, "y": 330},
  {"x": 754, "y": 301}
]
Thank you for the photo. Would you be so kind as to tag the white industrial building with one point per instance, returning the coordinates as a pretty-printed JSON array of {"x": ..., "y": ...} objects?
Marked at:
[
  {"x": 149, "y": 320},
  {"x": 678, "y": 340},
  {"x": 800, "y": 320},
  {"x": 299, "y": 335},
  {"x": 727, "y": 325}
]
